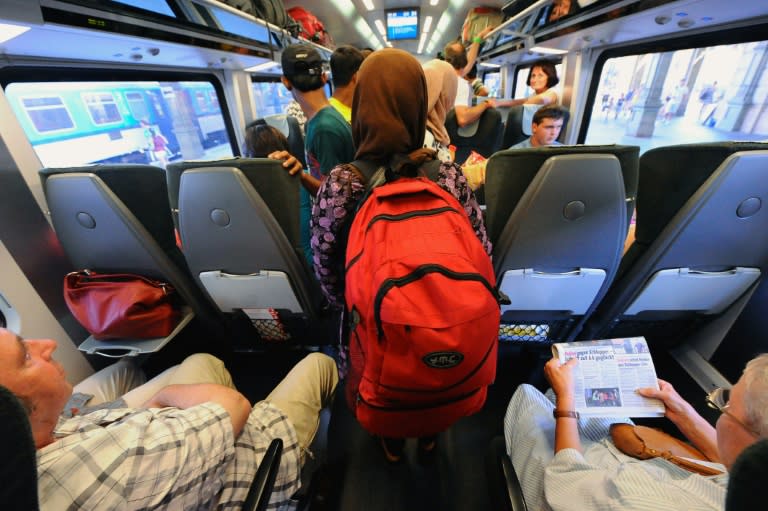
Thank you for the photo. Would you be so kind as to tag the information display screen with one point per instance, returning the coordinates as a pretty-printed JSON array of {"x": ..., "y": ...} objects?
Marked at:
[{"x": 403, "y": 24}]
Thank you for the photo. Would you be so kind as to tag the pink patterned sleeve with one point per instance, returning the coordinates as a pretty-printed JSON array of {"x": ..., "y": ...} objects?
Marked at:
[
  {"x": 451, "y": 179},
  {"x": 332, "y": 213}
]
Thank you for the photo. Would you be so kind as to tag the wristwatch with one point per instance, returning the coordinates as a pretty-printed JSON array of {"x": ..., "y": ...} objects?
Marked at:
[{"x": 565, "y": 413}]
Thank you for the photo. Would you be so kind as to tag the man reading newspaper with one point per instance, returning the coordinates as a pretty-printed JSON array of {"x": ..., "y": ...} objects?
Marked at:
[{"x": 565, "y": 461}]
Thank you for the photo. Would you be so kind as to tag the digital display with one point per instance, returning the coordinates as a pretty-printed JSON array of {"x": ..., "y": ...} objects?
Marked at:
[{"x": 402, "y": 24}]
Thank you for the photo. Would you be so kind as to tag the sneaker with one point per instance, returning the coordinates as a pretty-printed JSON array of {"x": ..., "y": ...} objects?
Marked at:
[{"x": 393, "y": 448}]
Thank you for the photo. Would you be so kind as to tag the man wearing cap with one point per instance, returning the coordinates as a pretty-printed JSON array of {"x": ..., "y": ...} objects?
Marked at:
[{"x": 328, "y": 139}]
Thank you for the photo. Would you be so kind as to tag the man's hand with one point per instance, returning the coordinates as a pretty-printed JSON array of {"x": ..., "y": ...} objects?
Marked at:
[
  {"x": 562, "y": 381},
  {"x": 484, "y": 33},
  {"x": 290, "y": 162},
  {"x": 678, "y": 409}
]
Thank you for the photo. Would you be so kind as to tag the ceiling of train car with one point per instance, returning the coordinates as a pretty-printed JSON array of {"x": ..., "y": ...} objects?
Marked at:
[{"x": 351, "y": 22}]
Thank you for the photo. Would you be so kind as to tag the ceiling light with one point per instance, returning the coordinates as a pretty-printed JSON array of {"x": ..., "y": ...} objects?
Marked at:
[
  {"x": 368, "y": 4},
  {"x": 8, "y": 32},
  {"x": 421, "y": 43},
  {"x": 427, "y": 24},
  {"x": 380, "y": 27},
  {"x": 547, "y": 51},
  {"x": 434, "y": 2},
  {"x": 261, "y": 67},
  {"x": 488, "y": 64}
]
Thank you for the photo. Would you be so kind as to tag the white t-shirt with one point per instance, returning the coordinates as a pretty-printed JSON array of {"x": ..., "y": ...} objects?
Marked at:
[{"x": 463, "y": 94}]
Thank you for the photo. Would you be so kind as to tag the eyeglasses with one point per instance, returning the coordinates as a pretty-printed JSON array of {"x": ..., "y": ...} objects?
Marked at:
[{"x": 718, "y": 400}]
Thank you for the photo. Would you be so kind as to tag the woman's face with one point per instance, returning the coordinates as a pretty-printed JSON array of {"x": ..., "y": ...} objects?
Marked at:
[{"x": 539, "y": 80}]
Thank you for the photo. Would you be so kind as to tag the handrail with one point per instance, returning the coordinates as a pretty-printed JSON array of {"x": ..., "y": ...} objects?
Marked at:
[{"x": 520, "y": 15}]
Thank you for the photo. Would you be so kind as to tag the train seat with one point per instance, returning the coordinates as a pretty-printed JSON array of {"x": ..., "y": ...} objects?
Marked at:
[
  {"x": 700, "y": 210},
  {"x": 557, "y": 224},
  {"x": 239, "y": 224},
  {"x": 116, "y": 219},
  {"x": 485, "y": 138},
  {"x": 289, "y": 126},
  {"x": 517, "y": 127}
]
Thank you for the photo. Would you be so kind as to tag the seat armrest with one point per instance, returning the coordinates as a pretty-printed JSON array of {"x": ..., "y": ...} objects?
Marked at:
[
  {"x": 264, "y": 480},
  {"x": 506, "y": 492}
]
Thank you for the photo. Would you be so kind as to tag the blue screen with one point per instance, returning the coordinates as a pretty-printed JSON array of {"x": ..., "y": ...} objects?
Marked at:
[{"x": 403, "y": 24}]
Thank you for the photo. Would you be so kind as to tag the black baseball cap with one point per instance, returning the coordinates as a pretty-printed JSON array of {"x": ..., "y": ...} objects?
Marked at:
[{"x": 301, "y": 59}]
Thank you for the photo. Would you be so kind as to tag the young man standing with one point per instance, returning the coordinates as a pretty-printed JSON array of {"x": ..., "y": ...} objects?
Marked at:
[
  {"x": 545, "y": 127},
  {"x": 328, "y": 136},
  {"x": 328, "y": 139},
  {"x": 345, "y": 62}
]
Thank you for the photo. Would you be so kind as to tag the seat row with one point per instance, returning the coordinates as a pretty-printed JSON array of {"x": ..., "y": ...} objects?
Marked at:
[{"x": 557, "y": 216}]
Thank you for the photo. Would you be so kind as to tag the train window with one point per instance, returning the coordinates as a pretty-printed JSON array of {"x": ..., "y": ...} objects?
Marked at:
[
  {"x": 690, "y": 95},
  {"x": 492, "y": 81},
  {"x": 271, "y": 98},
  {"x": 137, "y": 106},
  {"x": 102, "y": 108},
  {"x": 151, "y": 122},
  {"x": 48, "y": 114},
  {"x": 157, "y": 6}
]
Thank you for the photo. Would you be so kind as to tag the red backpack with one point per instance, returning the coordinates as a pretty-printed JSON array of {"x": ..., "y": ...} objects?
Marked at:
[
  {"x": 420, "y": 293},
  {"x": 312, "y": 29}
]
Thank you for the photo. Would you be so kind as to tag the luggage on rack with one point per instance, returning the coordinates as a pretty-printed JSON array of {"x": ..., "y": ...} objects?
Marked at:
[
  {"x": 477, "y": 19},
  {"x": 271, "y": 11},
  {"x": 310, "y": 27}
]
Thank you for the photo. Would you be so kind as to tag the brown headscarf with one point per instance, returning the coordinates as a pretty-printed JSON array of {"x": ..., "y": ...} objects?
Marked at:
[
  {"x": 442, "y": 83},
  {"x": 389, "y": 109}
]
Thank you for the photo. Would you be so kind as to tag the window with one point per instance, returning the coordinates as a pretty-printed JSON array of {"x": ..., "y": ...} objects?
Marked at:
[
  {"x": 76, "y": 123},
  {"x": 271, "y": 98},
  {"x": 102, "y": 108},
  {"x": 137, "y": 106},
  {"x": 158, "y": 6},
  {"x": 492, "y": 81},
  {"x": 239, "y": 25},
  {"x": 683, "y": 96},
  {"x": 48, "y": 114}
]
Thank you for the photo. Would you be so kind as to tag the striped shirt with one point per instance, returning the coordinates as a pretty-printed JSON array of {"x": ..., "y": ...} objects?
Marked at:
[
  {"x": 602, "y": 478},
  {"x": 136, "y": 459}
]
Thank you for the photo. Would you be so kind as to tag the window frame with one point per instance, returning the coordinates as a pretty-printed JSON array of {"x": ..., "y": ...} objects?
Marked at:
[{"x": 34, "y": 124}]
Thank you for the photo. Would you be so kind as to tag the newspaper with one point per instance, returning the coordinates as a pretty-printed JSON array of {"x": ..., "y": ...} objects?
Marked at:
[{"x": 607, "y": 375}]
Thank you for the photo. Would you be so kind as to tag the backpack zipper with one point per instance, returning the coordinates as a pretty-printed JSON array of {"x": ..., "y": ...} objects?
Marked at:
[
  {"x": 397, "y": 218},
  {"x": 419, "y": 407},
  {"x": 415, "y": 275}
]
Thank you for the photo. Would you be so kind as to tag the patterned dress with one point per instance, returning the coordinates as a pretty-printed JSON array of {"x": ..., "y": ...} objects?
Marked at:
[{"x": 332, "y": 216}]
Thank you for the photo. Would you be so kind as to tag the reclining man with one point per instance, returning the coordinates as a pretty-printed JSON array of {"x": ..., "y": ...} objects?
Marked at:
[
  {"x": 571, "y": 463},
  {"x": 185, "y": 440}
]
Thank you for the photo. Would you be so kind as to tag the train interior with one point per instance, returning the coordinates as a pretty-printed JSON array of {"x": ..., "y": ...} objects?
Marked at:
[{"x": 89, "y": 82}]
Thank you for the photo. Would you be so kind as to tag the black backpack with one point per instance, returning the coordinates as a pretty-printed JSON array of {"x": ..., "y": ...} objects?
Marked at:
[{"x": 271, "y": 11}]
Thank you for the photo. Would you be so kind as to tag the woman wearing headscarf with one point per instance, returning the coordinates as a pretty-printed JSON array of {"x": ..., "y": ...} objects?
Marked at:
[
  {"x": 389, "y": 121},
  {"x": 441, "y": 95}
]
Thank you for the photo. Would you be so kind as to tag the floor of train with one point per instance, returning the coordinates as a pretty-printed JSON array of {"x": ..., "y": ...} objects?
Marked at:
[{"x": 350, "y": 472}]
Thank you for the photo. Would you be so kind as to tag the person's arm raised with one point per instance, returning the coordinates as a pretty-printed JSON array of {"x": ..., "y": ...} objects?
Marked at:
[
  {"x": 189, "y": 395},
  {"x": 474, "y": 49},
  {"x": 560, "y": 377}
]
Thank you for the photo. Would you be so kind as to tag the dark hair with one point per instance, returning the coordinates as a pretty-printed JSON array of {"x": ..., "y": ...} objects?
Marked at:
[
  {"x": 345, "y": 61},
  {"x": 366, "y": 51},
  {"x": 262, "y": 139},
  {"x": 306, "y": 83},
  {"x": 549, "y": 70},
  {"x": 455, "y": 56},
  {"x": 550, "y": 112}
]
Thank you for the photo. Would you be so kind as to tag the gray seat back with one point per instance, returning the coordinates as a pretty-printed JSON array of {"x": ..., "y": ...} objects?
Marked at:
[
  {"x": 131, "y": 233},
  {"x": 504, "y": 189},
  {"x": 709, "y": 249},
  {"x": 513, "y": 127},
  {"x": 560, "y": 247},
  {"x": 242, "y": 221}
]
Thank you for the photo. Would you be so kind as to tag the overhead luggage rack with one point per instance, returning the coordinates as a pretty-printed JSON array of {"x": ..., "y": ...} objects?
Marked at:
[{"x": 228, "y": 37}]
